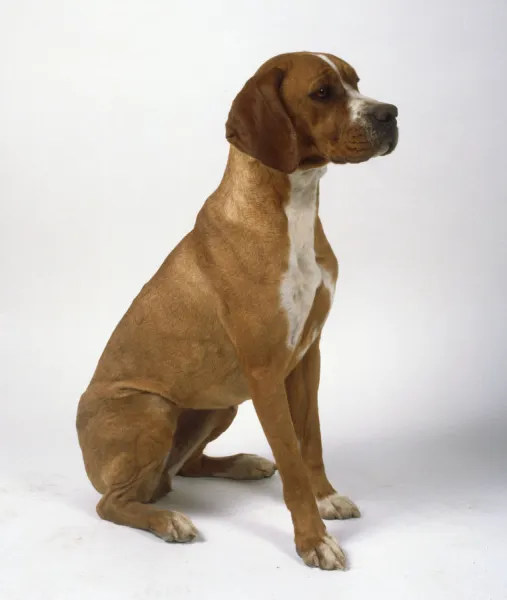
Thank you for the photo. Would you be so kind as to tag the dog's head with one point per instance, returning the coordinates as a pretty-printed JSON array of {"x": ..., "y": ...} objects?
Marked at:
[{"x": 303, "y": 110}]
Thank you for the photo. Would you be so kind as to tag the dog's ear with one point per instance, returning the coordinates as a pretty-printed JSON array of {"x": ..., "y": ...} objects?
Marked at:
[{"x": 259, "y": 125}]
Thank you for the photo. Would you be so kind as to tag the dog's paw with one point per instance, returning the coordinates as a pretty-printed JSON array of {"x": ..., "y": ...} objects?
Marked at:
[
  {"x": 176, "y": 527},
  {"x": 325, "y": 555},
  {"x": 337, "y": 507},
  {"x": 250, "y": 466}
]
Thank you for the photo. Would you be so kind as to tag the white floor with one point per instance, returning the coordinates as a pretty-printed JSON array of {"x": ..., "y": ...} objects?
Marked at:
[{"x": 434, "y": 526}]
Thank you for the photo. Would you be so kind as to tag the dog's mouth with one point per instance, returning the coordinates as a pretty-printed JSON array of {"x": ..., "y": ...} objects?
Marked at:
[
  {"x": 312, "y": 162},
  {"x": 339, "y": 160},
  {"x": 386, "y": 147}
]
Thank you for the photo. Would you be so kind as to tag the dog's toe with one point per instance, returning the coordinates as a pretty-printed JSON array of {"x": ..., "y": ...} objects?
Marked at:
[
  {"x": 177, "y": 528},
  {"x": 337, "y": 507},
  {"x": 251, "y": 466},
  {"x": 326, "y": 555}
]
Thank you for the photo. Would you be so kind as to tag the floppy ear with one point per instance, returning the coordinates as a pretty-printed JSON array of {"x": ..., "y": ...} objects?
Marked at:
[{"x": 259, "y": 125}]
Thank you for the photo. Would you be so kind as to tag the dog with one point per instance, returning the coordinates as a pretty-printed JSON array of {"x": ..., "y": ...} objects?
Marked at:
[{"x": 236, "y": 312}]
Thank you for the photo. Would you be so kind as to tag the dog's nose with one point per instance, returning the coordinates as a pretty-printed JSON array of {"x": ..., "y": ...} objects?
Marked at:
[{"x": 385, "y": 112}]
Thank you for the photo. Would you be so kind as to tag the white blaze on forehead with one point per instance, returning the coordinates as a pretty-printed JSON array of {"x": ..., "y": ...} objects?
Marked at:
[
  {"x": 330, "y": 63},
  {"x": 356, "y": 102}
]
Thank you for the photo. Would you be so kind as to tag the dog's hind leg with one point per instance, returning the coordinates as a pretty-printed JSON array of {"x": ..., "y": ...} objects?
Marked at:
[
  {"x": 197, "y": 464},
  {"x": 125, "y": 443}
]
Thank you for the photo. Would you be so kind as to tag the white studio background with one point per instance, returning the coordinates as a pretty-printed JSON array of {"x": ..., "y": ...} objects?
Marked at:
[{"x": 111, "y": 137}]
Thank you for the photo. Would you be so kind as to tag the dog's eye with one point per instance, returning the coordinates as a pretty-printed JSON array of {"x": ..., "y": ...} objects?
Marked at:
[{"x": 324, "y": 92}]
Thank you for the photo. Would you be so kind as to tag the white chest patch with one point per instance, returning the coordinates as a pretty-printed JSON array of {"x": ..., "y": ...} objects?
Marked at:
[{"x": 303, "y": 275}]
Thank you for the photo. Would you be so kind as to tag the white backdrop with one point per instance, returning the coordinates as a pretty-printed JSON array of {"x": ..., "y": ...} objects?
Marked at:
[{"x": 111, "y": 137}]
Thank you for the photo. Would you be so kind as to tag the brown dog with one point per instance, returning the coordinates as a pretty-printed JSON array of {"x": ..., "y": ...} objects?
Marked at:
[{"x": 236, "y": 312}]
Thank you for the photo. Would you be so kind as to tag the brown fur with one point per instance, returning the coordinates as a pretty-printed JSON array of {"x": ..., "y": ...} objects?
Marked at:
[{"x": 207, "y": 332}]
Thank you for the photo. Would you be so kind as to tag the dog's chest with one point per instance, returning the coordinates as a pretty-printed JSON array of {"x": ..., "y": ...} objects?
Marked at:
[{"x": 304, "y": 275}]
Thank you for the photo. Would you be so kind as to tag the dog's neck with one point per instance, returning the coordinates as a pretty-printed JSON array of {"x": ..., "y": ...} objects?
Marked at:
[{"x": 251, "y": 191}]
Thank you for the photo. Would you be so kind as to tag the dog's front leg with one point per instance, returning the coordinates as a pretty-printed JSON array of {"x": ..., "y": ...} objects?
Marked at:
[
  {"x": 302, "y": 387},
  {"x": 315, "y": 546}
]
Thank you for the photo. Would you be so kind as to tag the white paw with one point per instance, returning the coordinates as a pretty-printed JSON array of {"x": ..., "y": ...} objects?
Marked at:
[
  {"x": 327, "y": 555},
  {"x": 337, "y": 507},
  {"x": 178, "y": 528},
  {"x": 251, "y": 466}
]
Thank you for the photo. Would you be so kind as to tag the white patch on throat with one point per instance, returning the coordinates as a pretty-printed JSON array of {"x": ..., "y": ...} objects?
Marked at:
[{"x": 303, "y": 276}]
